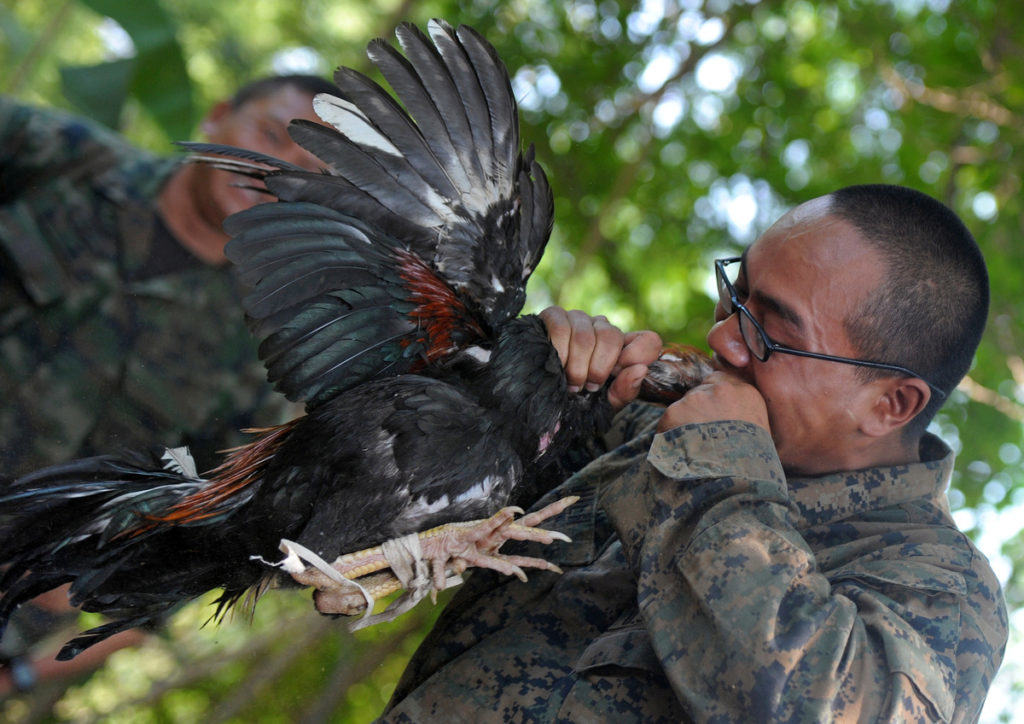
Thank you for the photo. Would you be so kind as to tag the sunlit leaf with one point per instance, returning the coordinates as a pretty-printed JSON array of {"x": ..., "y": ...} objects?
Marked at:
[
  {"x": 99, "y": 91},
  {"x": 160, "y": 81}
]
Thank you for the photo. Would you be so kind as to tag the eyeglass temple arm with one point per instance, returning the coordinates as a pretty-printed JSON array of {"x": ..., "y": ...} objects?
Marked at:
[{"x": 858, "y": 363}]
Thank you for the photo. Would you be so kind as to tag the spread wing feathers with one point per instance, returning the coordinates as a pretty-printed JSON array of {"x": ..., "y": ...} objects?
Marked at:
[
  {"x": 336, "y": 302},
  {"x": 440, "y": 169},
  {"x": 457, "y": 91},
  {"x": 419, "y": 235}
]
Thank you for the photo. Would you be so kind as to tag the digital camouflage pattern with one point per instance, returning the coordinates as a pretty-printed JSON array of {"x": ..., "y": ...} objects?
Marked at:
[
  {"x": 111, "y": 335},
  {"x": 703, "y": 585}
]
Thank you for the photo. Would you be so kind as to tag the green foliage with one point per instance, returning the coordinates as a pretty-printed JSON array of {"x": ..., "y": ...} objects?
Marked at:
[
  {"x": 673, "y": 132},
  {"x": 99, "y": 91},
  {"x": 155, "y": 75}
]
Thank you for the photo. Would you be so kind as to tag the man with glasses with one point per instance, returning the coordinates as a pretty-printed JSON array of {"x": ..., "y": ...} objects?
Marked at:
[{"x": 776, "y": 545}]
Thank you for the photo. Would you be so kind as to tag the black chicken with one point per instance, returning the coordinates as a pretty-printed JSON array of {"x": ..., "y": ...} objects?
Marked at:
[{"x": 384, "y": 292}]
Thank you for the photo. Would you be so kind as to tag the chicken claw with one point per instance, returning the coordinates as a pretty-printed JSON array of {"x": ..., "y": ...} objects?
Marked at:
[
  {"x": 475, "y": 543},
  {"x": 423, "y": 563}
]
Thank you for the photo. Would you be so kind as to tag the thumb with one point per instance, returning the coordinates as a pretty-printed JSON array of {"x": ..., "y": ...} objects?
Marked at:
[{"x": 626, "y": 386}]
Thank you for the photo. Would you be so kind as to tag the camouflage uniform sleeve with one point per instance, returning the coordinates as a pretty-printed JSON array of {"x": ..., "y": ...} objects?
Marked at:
[
  {"x": 744, "y": 624},
  {"x": 47, "y": 162},
  {"x": 39, "y": 143},
  {"x": 631, "y": 421}
]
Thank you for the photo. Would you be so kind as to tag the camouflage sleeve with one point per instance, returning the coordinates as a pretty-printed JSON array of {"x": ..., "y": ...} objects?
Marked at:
[
  {"x": 40, "y": 143},
  {"x": 49, "y": 161},
  {"x": 631, "y": 421},
  {"x": 745, "y": 625}
]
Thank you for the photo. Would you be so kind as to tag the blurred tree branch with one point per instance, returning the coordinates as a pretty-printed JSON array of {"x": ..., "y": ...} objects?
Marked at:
[
  {"x": 594, "y": 239},
  {"x": 968, "y": 102},
  {"x": 22, "y": 72},
  {"x": 982, "y": 394}
]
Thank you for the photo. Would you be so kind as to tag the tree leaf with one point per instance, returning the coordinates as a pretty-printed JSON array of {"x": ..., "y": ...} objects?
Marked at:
[
  {"x": 160, "y": 82},
  {"x": 100, "y": 90}
]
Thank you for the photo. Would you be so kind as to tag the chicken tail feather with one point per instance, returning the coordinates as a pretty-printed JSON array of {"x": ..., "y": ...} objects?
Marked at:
[{"x": 93, "y": 523}]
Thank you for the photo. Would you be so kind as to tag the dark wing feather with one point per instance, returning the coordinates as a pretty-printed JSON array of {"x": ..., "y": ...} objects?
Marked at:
[
  {"x": 537, "y": 215},
  {"x": 339, "y": 194},
  {"x": 502, "y": 114},
  {"x": 390, "y": 180},
  {"x": 244, "y": 153},
  {"x": 335, "y": 302},
  {"x": 473, "y": 101},
  {"x": 446, "y": 96},
  {"x": 422, "y": 106},
  {"x": 398, "y": 127}
]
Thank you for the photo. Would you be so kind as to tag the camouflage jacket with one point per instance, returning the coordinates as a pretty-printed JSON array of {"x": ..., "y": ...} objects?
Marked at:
[
  {"x": 703, "y": 585},
  {"x": 112, "y": 336}
]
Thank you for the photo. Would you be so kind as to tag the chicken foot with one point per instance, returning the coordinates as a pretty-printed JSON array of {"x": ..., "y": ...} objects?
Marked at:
[{"x": 422, "y": 563}]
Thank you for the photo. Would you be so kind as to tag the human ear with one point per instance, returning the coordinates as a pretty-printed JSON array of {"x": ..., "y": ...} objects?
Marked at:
[
  {"x": 214, "y": 117},
  {"x": 898, "y": 401}
]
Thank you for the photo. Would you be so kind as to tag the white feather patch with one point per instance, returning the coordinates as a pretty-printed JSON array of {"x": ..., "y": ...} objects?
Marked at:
[
  {"x": 179, "y": 460},
  {"x": 480, "y": 354},
  {"x": 483, "y": 489},
  {"x": 420, "y": 508},
  {"x": 351, "y": 122}
]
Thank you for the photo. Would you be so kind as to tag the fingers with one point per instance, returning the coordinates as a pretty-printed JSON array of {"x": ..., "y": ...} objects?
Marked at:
[
  {"x": 588, "y": 347},
  {"x": 640, "y": 350},
  {"x": 559, "y": 329},
  {"x": 592, "y": 349},
  {"x": 721, "y": 396},
  {"x": 626, "y": 386}
]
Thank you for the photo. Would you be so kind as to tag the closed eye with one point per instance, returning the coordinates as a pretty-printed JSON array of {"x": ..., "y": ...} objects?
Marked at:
[
  {"x": 774, "y": 307},
  {"x": 274, "y": 135}
]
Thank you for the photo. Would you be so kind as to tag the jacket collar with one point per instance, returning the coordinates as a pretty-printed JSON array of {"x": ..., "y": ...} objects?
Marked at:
[{"x": 835, "y": 496}]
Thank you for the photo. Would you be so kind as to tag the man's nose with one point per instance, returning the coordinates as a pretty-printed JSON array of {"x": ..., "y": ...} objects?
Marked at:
[{"x": 727, "y": 343}]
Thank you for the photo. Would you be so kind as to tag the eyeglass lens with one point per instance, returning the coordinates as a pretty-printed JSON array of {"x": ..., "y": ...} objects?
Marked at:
[
  {"x": 752, "y": 337},
  {"x": 724, "y": 295}
]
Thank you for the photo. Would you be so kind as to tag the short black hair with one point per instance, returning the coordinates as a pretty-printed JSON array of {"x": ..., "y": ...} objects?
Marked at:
[
  {"x": 930, "y": 308},
  {"x": 262, "y": 87}
]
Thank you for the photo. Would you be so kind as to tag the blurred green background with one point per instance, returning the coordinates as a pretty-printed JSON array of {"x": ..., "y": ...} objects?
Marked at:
[{"x": 673, "y": 131}]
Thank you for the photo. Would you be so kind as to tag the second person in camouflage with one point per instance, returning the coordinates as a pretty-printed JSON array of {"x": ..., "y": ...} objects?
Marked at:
[{"x": 120, "y": 324}]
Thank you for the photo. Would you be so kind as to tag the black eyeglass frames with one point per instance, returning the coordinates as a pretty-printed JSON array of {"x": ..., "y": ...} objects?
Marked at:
[{"x": 762, "y": 346}]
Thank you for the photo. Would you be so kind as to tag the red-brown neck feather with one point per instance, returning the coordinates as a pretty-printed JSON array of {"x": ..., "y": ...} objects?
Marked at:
[{"x": 439, "y": 312}]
